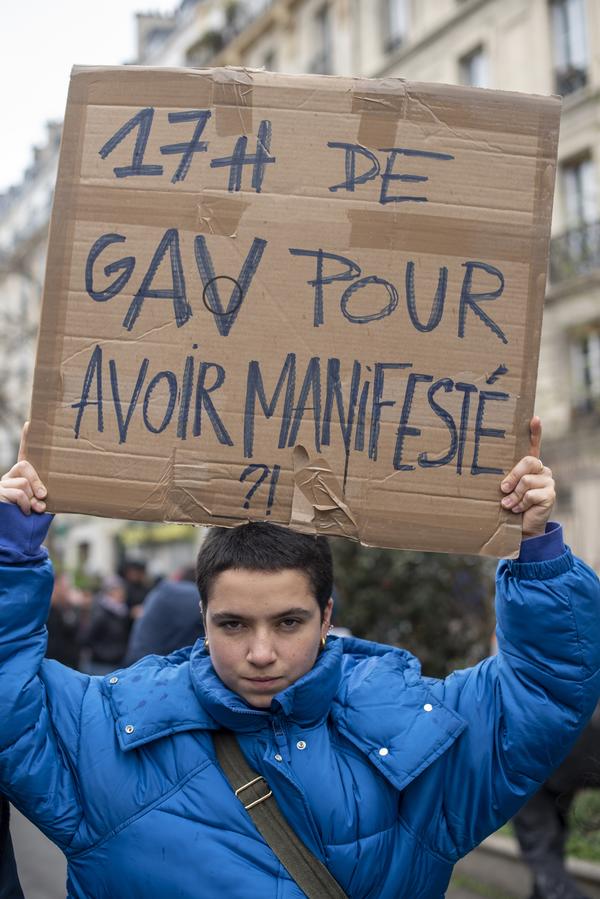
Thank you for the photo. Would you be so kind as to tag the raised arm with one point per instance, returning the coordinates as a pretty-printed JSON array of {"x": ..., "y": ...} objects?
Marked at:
[
  {"x": 525, "y": 707},
  {"x": 36, "y": 761}
]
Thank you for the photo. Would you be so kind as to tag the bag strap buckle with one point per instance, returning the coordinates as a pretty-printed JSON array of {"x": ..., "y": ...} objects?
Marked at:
[{"x": 250, "y": 784}]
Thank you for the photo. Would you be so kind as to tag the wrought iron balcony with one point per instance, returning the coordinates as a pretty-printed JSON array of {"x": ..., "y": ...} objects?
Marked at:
[{"x": 575, "y": 253}]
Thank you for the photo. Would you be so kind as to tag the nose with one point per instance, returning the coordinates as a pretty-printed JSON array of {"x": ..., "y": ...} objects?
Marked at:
[{"x": 261, "y": 651}]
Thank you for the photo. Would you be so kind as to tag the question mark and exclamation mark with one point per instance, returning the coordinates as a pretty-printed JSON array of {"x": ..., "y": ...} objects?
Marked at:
[{"x": 265, "y": 471}]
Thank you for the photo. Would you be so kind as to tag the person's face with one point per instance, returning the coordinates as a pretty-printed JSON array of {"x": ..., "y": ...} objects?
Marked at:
[{"x": 264, "y": 631}]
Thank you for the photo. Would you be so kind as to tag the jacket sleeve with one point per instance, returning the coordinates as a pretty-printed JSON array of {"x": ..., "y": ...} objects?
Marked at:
[
  {"x": 37, "y": 763},
  {"x": 525, "y": 707}
]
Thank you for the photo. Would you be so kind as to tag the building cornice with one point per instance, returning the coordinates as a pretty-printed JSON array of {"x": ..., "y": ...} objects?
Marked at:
[
  {"x": 407, "y": 51},
  {"x": 276, "y": 14}
]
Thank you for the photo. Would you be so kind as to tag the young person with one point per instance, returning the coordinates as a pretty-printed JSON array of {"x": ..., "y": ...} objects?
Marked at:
[{"x": 386, "y": 776}]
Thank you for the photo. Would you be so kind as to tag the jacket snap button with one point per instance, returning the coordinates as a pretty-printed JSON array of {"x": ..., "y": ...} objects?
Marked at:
[
  {"x": 129, "y": 729},
  {"x": 384, "y": 751},
  {"x": 278, "y": 758},
  {"x": 428, "y": 707},
  {"x": 114, "y": 680},
  {"x": 300, "y": 744}
]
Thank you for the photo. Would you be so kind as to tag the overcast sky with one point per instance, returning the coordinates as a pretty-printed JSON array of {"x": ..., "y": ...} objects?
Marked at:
[{"x": 41, "y": 40}]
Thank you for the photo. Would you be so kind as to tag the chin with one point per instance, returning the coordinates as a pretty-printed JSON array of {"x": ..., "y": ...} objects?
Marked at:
[{"x": 259, "y": 702}]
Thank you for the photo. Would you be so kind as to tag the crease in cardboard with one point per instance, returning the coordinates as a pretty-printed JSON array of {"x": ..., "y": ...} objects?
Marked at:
[
  {"x": 317, "y": 500},
  {"x": 176, "y": 510}
]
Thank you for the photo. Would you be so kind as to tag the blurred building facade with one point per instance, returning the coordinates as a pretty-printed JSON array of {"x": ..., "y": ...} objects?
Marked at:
[
  {"x": 538, "y": 46},
  {"x": 24, "y": 217}
]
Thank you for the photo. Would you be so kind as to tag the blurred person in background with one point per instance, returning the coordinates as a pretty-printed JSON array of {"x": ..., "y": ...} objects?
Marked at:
[
  {"x": 9, "y": 881},
  {"x": 170, "y": 618},
  {"x": 542, "y": 825},
  {"x": 107, "y": 634},
  {"x": 135, "y": 578},
  {"x": 68, "y": 610}
]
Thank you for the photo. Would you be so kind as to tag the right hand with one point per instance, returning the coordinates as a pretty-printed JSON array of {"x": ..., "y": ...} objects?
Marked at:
[{"x": 22, "y": 485}]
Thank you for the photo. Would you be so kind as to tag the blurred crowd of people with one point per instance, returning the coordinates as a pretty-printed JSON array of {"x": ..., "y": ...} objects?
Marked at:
[{"x": 126, "y": 616}]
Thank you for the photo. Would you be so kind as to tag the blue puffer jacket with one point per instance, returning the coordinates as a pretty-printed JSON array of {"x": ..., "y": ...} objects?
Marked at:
[{"x": 387, "y": 776}]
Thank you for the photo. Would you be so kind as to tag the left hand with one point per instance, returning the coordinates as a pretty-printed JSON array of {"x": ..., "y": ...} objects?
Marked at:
[{"x": 529, "y": 487}]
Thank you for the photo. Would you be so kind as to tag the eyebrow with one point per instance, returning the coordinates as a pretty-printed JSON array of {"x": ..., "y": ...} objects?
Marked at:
[{"x": 294, "y": 612}]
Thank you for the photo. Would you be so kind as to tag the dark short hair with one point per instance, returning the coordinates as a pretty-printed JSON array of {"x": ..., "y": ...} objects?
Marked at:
[{"x": 261, "y": 546}]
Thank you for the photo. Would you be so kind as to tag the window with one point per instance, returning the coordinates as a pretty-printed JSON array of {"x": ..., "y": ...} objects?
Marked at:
[
  {"x": 473, "y": 68},
  {"x": 394, "y": 21},
  {"x": 322, "y": 61},
  {"x": 203, "y": 51},
  {"x": 570, "y": 46},
  {"x": 578, "y": 184},
  {"x": 269, "y": 61},
  {"x": 585, "y": 369},
  {"x": 576, "y": 251}
]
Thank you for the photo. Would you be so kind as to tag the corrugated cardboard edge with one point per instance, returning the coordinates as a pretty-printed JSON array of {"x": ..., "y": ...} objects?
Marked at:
[{"x": 548, "y": 131}]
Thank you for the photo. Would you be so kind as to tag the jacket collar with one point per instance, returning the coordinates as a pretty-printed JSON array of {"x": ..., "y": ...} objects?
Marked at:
[
  {"x": 374, "y": 693},
  {"x": 305, "y": 702},
  {"x": 388, "y": 711},
  {"x": 164, "y": 695}
]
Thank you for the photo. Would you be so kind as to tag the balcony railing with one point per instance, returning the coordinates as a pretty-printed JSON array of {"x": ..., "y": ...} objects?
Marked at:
[
  {"x": 574, "y": 253},
  {"x": 569, "y": 79}
]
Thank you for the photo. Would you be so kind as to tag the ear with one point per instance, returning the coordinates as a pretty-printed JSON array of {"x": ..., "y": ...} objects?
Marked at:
[{"x": 327, "y": 613}]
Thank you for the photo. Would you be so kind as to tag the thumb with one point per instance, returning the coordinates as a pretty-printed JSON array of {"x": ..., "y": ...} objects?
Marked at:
[
  {"x": 535, "y": 436},
  {"x": 23, "y": 444}
]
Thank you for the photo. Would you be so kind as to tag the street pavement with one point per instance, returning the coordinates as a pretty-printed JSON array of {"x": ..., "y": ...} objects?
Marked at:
[{"x": 42, "y": 867}]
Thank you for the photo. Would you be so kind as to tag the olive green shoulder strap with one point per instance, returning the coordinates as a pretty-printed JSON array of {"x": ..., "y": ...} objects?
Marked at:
[{"x": 254, "y": 793}]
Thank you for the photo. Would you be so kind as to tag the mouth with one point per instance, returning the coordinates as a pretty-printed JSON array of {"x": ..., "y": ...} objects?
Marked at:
[{"x": 263, "y": 683}]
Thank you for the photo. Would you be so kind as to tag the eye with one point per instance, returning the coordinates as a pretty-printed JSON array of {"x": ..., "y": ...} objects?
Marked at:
[
  {"x": 289, "y": 624},
  {"x": 231, "y": 627}
]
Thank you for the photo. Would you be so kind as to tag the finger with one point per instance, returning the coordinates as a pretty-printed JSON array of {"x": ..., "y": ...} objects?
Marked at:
[
  {"x": 525, "y": 466},
  {"x": 535, "y": 436},
  {"x": 528, "y": 482},
  {"x": 24, "y": 469},
  {"x": 18, "y": 484},
  {"x": 23, "y": 444},
  {"x": 537, "y": 497},
  {"x": 16, "y": 496}
]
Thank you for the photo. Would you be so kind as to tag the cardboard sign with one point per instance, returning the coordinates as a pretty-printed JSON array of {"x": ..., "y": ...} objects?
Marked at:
[{"x": 310, "y": 300}]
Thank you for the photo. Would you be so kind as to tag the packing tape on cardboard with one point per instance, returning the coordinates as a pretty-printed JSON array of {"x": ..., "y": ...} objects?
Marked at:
[
  {"x": 232, "y": 100},
  {"x": 380, "y": 111},
  {"x": 473, "y": 238},
  {"x": 218, "y": 214},
  {"x": 317, "y": 502}
]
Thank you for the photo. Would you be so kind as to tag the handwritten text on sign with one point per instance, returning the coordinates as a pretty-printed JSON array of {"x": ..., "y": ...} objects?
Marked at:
[
  {"x": 186, "y": 401},
  {"x": 312, "y": 298}
]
